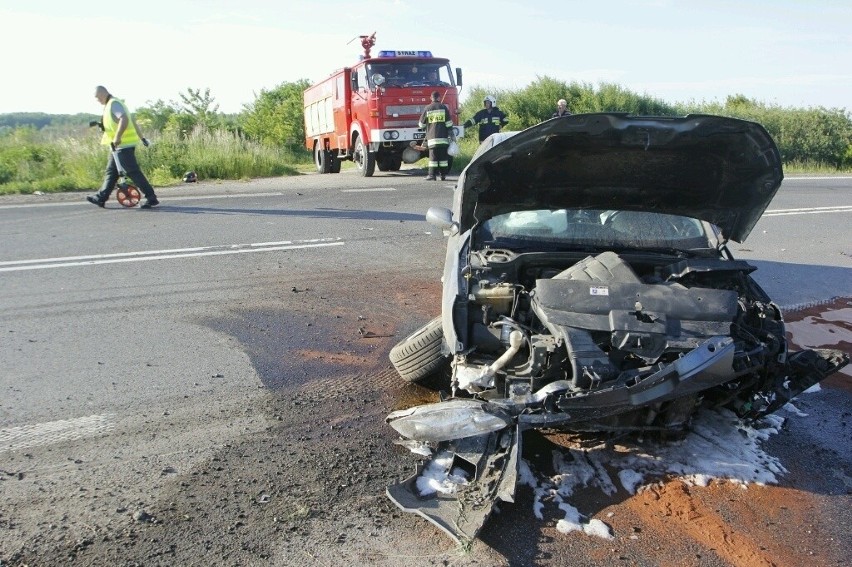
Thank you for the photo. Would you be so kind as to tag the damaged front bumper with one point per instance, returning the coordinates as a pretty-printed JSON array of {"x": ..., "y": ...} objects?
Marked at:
[
  {"x": 476, "y": 444},
  {"x": 457, "y": 489}
]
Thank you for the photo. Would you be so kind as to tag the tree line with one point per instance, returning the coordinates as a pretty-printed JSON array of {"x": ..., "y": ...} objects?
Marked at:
[
  {"x": 813, "y": 137},
  {"x": 267, "y": 136}
]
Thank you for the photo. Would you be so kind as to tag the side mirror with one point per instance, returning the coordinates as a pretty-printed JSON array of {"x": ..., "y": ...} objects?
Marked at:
[
  {"x": 442, "y": 218},
  {"x": 354, "y": 80},
  {"x": 458, "y": 76}
]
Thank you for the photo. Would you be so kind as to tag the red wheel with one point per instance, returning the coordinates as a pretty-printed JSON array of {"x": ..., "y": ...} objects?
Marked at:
[{"x": 128, "y": 195}]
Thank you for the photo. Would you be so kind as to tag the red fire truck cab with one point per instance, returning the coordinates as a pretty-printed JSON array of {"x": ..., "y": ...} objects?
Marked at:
[{"x": 368, "y": 113}]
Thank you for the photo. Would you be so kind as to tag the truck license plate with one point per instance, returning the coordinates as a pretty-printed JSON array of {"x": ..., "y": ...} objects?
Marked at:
[{"x": 419, "y": 135}]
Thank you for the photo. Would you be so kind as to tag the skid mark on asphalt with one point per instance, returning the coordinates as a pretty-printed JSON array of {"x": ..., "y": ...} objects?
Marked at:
[{"x": 15, "y": 438}]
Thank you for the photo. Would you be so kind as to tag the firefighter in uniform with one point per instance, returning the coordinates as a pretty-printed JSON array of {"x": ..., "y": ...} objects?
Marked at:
[
  {"x": 490, "y": 119},
  {"x": 438, "y": 123}
]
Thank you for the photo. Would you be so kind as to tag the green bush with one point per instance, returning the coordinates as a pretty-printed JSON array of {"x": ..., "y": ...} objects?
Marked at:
[
  {"x": 847, "y": 157},
  {"x": 806, "y": 137},
  {"x": 30, "y": 162},
  {"x": 537, "y": 101},
  {"x": 276, "y": 117},
  {"x": 7, "y": 170},
  {"x": 817, "y": 136},
  {"x": 218, "y": 154}
]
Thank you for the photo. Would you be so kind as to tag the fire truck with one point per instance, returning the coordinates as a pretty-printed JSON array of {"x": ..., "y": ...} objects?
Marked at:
[{"x": 368, "y": 113}]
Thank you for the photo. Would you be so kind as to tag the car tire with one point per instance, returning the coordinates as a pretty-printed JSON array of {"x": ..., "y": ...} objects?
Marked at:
[{"x": 418, "y": 356}]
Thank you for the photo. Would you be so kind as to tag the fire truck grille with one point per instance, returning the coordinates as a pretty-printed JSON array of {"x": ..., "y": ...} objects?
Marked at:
[
  {"x": 400, "y": 123},
  {"x": 405, "y": 110}
]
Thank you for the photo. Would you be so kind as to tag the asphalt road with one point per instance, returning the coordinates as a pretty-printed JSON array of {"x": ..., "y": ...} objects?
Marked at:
[
  {"x": 83, "y": 287},
  {"x": 120, "y": 287},
  {"x": 118, "y": 318}
]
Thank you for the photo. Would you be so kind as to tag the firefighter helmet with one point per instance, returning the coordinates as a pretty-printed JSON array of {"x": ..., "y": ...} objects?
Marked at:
[{"x": 491, "y": 99}]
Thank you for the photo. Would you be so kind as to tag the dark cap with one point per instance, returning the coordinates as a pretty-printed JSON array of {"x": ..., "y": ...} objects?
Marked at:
[{"x": 436, "y": 95}]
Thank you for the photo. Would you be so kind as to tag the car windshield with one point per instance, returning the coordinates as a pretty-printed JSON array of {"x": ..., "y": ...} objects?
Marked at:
[
  {"x": 566, "y": 228},
  {"x": 409, "y": 74}
]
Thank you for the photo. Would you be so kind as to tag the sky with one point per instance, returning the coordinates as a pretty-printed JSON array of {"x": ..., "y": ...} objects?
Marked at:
[{"x": 783, "y": 52}]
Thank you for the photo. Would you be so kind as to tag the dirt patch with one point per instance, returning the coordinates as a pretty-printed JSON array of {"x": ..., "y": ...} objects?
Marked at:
[{"x": 674, "y": 508}]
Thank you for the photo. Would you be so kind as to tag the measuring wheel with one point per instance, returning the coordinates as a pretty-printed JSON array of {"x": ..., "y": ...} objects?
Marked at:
[{"x": 128, "y": 195}]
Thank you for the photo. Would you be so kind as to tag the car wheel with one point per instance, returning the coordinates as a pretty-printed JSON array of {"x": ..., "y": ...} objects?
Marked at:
[
  {"x": 364, "y": 160},
  {"x": 418, "y": 356}
]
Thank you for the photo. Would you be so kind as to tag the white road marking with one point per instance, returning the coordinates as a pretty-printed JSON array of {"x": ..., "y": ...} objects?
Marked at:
[
  {"x": 808, "y": 211},
  {"x": 820, "y": 178},
  {"x": 14, "y": 438},
  {"x": 164, "y": 200},
  {"x": 374, "y": 190},
  {"x": 142, "y": 256}
]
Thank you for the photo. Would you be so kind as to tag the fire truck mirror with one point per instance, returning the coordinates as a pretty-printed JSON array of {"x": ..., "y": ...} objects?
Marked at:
[
  {"x": 354, "y": 82},
  {"x": 458, "y": 76}
]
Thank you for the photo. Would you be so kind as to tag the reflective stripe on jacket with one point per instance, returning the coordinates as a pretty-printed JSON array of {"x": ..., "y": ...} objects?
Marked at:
[
  {"x": 438, "y": 123},
  {"x": 488, "y": 122}
]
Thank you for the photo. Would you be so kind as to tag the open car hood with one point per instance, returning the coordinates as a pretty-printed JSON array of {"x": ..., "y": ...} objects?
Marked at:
[{"x": 713, "y": 168}]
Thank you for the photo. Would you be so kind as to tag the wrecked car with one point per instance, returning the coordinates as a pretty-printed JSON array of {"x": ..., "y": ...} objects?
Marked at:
[{"x": 588, "y": 286}]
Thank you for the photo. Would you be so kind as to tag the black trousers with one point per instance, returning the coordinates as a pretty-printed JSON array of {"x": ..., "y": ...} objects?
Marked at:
[
  {"x": 439, "y": 159},
  {"x": 127, "y": 158}
]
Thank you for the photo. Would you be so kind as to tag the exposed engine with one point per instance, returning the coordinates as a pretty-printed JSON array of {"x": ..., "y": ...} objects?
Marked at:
[{"x": 541, "y": 330}]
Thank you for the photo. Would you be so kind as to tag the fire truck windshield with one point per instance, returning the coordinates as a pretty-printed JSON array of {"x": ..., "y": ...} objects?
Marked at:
[{"x": 409, "y": 74}]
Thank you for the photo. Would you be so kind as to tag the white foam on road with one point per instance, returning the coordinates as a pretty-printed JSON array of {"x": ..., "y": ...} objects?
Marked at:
[{"x": 718, "y": 446}]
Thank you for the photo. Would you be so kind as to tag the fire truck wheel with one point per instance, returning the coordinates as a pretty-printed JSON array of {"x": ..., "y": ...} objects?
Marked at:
[
  {"x": 364, "y": 160},
  {"x": 388, "y": 163},
  {"x": 321, "y": 159},
  {"x": 394, "y": 163}
]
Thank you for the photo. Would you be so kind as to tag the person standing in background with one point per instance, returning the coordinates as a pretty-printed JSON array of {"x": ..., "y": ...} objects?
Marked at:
[
  {"x": 122, "y": 134},
  {"x": 561, "y": 109},
  {"x": 490, "y": 119},
  {"x": 438, "y": 123}
]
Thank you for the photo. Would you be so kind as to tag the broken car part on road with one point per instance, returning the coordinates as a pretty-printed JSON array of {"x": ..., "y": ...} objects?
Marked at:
[{"x": 588, "y": 286}]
